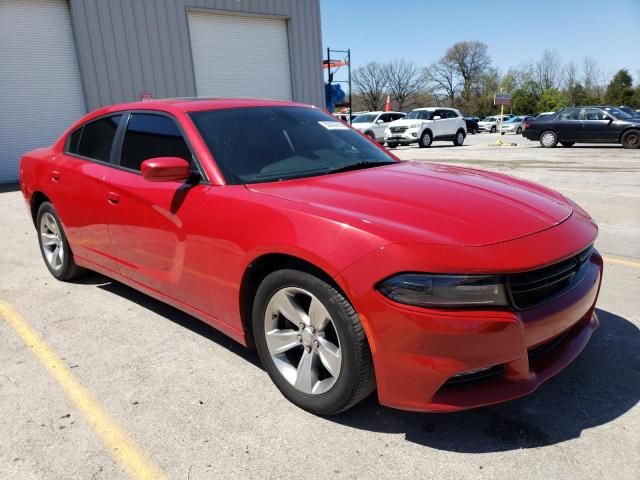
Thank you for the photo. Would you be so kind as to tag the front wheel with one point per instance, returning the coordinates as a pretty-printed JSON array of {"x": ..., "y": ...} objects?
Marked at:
[
  {"x": 493, "y": 129},
  {"x": 311, "y": 342},
  {"x": 548, "y": 139},
  {"x": 425, "y": 139},
  {"x": 54, "y": 245},
  {"x": 459, "y": 140},
  {"x": 631, "y": 139},
  {"x": 392, "y": 145},
  {"x": 519, "y": 131}
]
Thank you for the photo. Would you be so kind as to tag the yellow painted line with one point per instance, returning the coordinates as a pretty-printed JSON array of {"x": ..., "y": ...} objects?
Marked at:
[
  {"x": 621, "y": 261},
  {"x": 120, "y": 445},
  {"x": 619, "y": 194}
]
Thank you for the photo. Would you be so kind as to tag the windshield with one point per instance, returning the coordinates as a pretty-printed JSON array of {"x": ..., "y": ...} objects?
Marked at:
[
  {"x": 419, "y": 115},
  {"x": 264, "y": 144},
  {"x": 628, "y": 110},
  {"x": 490, "y": 119},
  {"x": 366, "y": 118},
  {"x": 617, "y": 113},
  {"x": 514, "y": 120}
]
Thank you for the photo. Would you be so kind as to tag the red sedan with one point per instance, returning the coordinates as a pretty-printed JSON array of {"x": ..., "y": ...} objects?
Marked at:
[{"x": 445, "y": 288}]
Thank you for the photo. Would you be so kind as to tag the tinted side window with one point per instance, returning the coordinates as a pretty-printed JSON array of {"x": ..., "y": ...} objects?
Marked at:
[
  {"x": 385, "y": 117},
  {"x": 74, "y": 140},
  {"x": 594, "y": 114},
  {"x": 440, "y": 113},
  {"x": 397, "y": 116},
  {"x": 451, "y": 114},
  {"x": 150, "y": 136},
  {"x": 569, "y": 114},
  {"x": 97, "y": 137}
]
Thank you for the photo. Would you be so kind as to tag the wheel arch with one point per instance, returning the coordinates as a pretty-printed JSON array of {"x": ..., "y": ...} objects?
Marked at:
[
  {"x": 37, "y": 199},
  {"x": 625, "y": 131},
  {"x": 258, "y": 270}
]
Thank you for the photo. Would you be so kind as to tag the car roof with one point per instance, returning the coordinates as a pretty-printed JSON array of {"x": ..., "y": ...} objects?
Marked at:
[{"x": 433, "y": 108}]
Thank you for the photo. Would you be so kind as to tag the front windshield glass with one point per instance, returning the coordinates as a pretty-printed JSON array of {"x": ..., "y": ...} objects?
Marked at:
[
  {"x": 419, "y": 115},
  {"x": 514, "y": 120},
  {"x": 266, "y": 144},
  {"x": 366, "y": 118},
  {"x": 617, "y": 113},
  {"x": 490, "y": 119}
]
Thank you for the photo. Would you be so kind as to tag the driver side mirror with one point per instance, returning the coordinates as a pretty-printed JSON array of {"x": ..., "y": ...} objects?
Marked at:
[
  {"x": 379, "y": 121},
  {"x": 165, "y": 169},
  {"x": 437, "y": 117}
]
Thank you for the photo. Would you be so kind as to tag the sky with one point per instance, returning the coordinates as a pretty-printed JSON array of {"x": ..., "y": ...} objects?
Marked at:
[{"x": 515, "y": 31}]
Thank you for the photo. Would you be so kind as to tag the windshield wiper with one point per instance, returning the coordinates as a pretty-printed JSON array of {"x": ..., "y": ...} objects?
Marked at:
[{"x": 357, "y": 166}]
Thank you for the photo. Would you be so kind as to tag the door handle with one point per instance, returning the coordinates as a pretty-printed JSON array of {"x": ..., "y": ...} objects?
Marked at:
[
  {"x": 55, "y": 175},
  {"x": 113, "y": 198}
]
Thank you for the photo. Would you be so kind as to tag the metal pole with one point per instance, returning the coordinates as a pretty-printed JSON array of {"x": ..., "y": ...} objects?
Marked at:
[{"x": 350, "y": 99}]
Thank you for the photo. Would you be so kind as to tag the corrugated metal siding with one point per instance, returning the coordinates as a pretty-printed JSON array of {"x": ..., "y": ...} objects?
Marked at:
[
  {"x": 40, "y": 88},
  {"x": 127, "y": 47}
]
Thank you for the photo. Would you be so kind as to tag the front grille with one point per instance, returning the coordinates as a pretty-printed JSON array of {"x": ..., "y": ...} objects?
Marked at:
[
  {"x": 398, "y": 129},
  {"x": 529, "y": 289}
]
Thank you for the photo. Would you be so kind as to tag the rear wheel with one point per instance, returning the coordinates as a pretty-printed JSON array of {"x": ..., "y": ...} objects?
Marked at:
[
  {"x": 54, "y": 246},
  {"x": 425, "y": 139},
  {"x": 567, "y": 144},
  {"x": 311, "y": 343},
  {"x": 548, "y": 139},
  {"x": 631, "y": 139}
]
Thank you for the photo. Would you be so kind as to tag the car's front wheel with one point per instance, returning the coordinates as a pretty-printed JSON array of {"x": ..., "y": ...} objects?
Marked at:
[
  {"x": 459, "y": 140},
  {"x": 493, "y": 129},
  {"x": 392, "y": 145},
  {"x": 425, "y": 139},
  {"x": 548, "y": 139},
  {"x": 519, "y": 131},
  {"x": 54, "y": 245},
  {"x": 631, "y": 139},
  {"x": 311, "y": 342}
]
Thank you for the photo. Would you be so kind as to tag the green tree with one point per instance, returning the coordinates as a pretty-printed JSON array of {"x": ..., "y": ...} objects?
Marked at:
[
  {"x": 551, "y": 100},
  {"x": 525, "y": 98},
  {"x": 620, "y": 89},
  {"x": 635, "y": 100}
]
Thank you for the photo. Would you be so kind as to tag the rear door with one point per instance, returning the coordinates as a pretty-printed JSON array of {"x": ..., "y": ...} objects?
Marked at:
[
  {"x": 154, "y": 225},
  {"x": 439, "y": 127},
  {"x": 81, "y": 194},
  {"x": 568, "y": 125}
]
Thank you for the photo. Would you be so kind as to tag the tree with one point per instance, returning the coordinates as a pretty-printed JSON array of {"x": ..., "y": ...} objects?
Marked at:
[
  {"x": 635, "y": 100},
  {"x": 404, "y": 81},
  {"x": 577, "y": 95},
  {"x": 470, "y": 60},
  {"x": 570, "y": 75},
  {"x": 551, "y": 99},
  {"x": 442, "y": 76},
  {"x": 620, "y": 89},
  {"x": 526, "y": 98},
  {"x": 548, "y": 70},
  {"x": 592, "y": 77},
  {"x": 370, "y": 81}
]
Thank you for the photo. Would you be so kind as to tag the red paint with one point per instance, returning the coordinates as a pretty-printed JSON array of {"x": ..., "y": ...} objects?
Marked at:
[{"x": 190, "y": 245}]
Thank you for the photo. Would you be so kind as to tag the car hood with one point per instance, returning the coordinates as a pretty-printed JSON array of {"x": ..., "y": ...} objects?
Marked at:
[
  {"x": 407, "y": 122},
  {"x": 487, "y": 122},
  {"x": 362, "y": 126},
  {"x": 427, "y": 203}
]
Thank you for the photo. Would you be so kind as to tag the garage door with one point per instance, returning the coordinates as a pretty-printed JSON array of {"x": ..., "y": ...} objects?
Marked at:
[
  {"x": 40, "y": 88},
  {"x": 240, "y": 56}
]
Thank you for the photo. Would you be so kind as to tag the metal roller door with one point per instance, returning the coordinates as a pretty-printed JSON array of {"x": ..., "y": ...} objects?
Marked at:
[
  {"x": 240, "y": 56},
  {"x": 40, "y": 88}
]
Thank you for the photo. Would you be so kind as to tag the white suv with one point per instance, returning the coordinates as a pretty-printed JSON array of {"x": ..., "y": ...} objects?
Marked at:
[
  {"x": 373, "y": 124},
  {"x": 426, "y": 125}
]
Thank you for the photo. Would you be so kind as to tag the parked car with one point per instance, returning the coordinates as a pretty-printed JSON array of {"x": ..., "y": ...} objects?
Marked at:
[
  {"x": 492, "y": 123},
  {"x": 286, "y": 229},
  {"x": 585, "y": 125},
  {"x": 515, "y": 124},
  {"x": 629, "y": 110},
  {"x": 373, "y": 124},
  {"x": 472, "y": 124},
  {"x": 427, "y": 125}
]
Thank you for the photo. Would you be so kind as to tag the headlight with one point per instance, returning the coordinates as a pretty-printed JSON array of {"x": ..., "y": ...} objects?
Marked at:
[
  {"x": 445, "y": 290},
  {"x": 414, "y": 125}
]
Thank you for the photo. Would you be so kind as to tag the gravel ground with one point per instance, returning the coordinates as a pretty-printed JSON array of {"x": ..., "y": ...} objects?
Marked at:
[{"x": 202, "y": 408}]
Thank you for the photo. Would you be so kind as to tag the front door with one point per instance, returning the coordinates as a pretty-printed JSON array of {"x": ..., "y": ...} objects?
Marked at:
[{"x": 598, "y": 126}]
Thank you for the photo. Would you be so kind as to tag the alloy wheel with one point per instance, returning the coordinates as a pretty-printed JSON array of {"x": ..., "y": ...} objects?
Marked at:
[
  {"x": 51, "y": 241},
  {"x": 302, "y": 340}
]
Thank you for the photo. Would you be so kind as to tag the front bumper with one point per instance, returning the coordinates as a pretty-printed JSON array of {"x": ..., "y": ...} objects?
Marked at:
[
  {"x": 411, "y": 135},
  {"x": 418, "y": 351},
  {"x": 486, "y": 128}
]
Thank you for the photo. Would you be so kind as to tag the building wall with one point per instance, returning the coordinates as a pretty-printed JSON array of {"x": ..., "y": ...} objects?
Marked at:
[{"x": 126, "y": 47}]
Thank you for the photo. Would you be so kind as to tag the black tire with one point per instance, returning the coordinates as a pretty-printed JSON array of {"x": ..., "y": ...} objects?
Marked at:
[
  {"x": 459, "y": 140},
  {"x": 371, "y": 136},
  {"x": 356, "y": 379},
  {"x": 631, "y": 139},
  {"x": 67, "y": 269},
  {"x": 519, "y": 131},
  {"x": 392, "y": 145},
  {"x": 548, "y": 139},
  {"x": 425, "y": 139},
  {"x": 493, "y": 129},
  {"x": 567, "y": 144}
]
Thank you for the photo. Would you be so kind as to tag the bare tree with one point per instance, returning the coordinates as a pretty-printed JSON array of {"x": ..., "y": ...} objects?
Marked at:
[
  {"x": 548, "y": 70},
  {"x": 404, "y": 81},
  {"x": 443, "y": 77},
  {"x": 370, "y": 81},
  {"x": 592, "y": 77},
  {"x": 570, "y": 75},
  {"x": 470, "y": 60}
]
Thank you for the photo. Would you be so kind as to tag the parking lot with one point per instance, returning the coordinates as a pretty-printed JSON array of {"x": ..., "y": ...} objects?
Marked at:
[{"x": 199, "y": 406}]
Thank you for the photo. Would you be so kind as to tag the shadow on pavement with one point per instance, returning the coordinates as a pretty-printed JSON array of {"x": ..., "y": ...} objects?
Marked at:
[{"x": 601, "y": 385}]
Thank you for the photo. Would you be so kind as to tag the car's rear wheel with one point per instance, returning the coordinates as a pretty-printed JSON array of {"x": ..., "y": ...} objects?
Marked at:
[
  {"x": 548, "y": 139},
  {"x": 631, "y": 139},
  {"x": 425, "y": 139},
  {"x": 54, "y": 246},
  {"x": 311, "y": 342},
  {"x": 567, "y": 144},
  {"x": 459, "y": 140}
]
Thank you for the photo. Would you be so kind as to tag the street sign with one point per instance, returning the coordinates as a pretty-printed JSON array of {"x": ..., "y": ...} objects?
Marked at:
[{"x": 502, "y": 99}]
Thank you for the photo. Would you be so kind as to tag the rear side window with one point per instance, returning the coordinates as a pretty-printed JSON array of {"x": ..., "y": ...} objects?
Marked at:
[
  {"x": 74, "y": 140},
  {"x": 96, "y": 138},
  {"x": 149, "y": 136}
]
